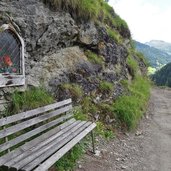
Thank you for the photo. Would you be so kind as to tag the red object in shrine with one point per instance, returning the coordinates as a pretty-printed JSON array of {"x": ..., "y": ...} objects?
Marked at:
[{"x": 7, "y": 60}]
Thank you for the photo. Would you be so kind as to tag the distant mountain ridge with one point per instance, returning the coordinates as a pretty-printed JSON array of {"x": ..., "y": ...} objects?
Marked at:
[
  {"x": 161, "y": 45},
  {"x": 156, "y": 57}
]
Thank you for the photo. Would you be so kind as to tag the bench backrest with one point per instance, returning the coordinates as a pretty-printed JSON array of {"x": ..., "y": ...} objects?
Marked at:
[{"x": 23, "y": 126}]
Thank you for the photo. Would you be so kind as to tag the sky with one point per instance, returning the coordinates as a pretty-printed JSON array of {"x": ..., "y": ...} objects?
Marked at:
[{"x": 147, "y": 19}]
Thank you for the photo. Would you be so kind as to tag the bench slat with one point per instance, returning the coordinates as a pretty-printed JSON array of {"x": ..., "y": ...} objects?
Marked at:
[
  {"x": 28, "y": 123},
  {"x": 28, "y": 145},
  {"x": 28, "y": 155},
  {"x": 56, "y": 147},
  {"x": 50, "y": 161},
  {"x": 29, "y": 134},
  {"x": 27, "y": 114}
]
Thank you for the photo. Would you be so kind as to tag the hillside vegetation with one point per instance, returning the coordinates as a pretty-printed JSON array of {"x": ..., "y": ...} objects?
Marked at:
[
  {"x": 163, "y": 76},
  {"x": 156, "y": 57},
  {"x": 98, "y": 11}
]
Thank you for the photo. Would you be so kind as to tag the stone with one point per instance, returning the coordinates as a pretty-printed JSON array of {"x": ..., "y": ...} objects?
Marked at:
[
  {"x": 88, "y": 34},
  {"x": 138, "y": 133},
  {"x": 97, "y": 153},
  {"x": 123, "y": 167},
  {"x": 55, "y": 67},
  {"x": 79, "y": 166}
]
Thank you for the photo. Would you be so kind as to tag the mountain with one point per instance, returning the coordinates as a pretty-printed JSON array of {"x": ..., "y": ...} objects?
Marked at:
[
  {"x": 156, "y": 57},
  {"x": 163, "y": 76},
  {"x": 161, "y": 45}
]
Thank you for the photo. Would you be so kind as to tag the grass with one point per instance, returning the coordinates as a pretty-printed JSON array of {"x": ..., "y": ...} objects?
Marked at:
[
  {"x": 98, "y": 10},
  {"x": 133, "y": 65},
  {"x": 88, "y": 106},
  {"x": 30, "y": 99},
  {"x": 102, "y": 131},
  {"x": 113, "y": 34},
  {"x": 119, "y": 23},
  {"x": 74, "y": 89},
  {"x": 106, "y": 86},
  {"x": 94, "y": 58},
  {"x": 130, "y": 108},
  {"x": 79, "y": 114},
  {"x": 68, "y": 161}
]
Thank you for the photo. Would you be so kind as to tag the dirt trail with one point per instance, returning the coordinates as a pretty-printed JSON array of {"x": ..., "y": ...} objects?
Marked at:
[{"x": 147, "y": 149}]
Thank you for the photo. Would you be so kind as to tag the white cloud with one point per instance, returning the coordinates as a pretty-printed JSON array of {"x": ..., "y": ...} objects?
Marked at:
[{"x": 147, "y": 19}]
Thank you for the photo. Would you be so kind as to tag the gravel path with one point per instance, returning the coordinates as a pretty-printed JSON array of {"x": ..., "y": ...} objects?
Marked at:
[{"x": 147, "y": 149}]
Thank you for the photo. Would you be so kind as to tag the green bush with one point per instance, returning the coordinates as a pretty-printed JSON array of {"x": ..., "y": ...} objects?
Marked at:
[{"x": 30, "y": 99}]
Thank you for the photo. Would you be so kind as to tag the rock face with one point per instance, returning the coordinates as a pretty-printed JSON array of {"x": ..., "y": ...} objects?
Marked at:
[{"x": 55, "y": 46}]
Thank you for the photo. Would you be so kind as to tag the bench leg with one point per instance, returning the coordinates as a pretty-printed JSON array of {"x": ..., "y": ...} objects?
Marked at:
[{"x": 93, "y": 144}]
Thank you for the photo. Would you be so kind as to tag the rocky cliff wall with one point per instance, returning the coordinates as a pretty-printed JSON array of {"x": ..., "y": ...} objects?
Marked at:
[{"x": 56, "y": 48}]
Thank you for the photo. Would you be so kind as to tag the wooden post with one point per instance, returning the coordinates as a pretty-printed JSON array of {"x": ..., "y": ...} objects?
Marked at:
[{"x": 93, "y": 144}]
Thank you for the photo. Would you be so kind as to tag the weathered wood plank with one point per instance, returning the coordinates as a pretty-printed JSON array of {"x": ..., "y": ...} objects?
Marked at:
[
  {"x": 33, "y": 152},
  {"x": 29, "y": 134},
  {"x": 50, "y": 161},
  {"x": 12, "y": 80},
  {"x": 54, "y": 148},
  {"x": 28, "y": 123},
  {"x": 33, "y": 142},
  {"x": 31, "y": 113}
]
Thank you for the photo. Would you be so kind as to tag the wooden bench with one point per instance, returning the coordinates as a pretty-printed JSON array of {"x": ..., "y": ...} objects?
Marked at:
[{"x": 48, "y": 133}]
